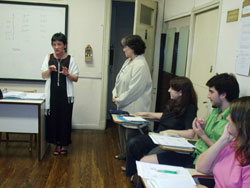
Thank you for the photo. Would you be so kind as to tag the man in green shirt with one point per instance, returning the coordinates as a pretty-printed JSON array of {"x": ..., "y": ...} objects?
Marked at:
[{"x": 223, "y": 88}]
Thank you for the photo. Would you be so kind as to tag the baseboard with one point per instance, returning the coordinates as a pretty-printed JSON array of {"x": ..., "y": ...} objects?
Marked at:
[{"x": 88, "y": 126}]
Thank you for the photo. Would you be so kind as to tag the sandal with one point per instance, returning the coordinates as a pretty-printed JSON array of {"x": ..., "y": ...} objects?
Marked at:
[
  {"x": 123, "y": 168},
  {"x": 57, "y": 150},
  {"x": 64, "y": 150},
  {"x": 120, "y": 157}
]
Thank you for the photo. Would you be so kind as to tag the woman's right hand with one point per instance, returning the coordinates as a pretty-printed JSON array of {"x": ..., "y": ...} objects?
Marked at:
[
  {"x": 52, "y": 68},
  {"x": 114, "y": 100}
]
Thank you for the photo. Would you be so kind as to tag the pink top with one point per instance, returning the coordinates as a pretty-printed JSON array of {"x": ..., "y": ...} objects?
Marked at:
[{"x": 227, "y": 171}]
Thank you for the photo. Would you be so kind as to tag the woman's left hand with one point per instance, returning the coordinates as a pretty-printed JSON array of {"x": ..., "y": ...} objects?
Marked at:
[
  {"x": 227, "y": 136},
  {"x": 64, "y": 71}
]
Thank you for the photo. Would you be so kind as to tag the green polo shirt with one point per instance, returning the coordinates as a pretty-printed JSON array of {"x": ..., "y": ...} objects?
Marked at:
[{"x": 214, "y": 129}]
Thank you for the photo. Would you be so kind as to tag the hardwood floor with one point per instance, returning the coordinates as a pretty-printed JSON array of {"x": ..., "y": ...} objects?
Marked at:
[{"x": 89, "y": 163}]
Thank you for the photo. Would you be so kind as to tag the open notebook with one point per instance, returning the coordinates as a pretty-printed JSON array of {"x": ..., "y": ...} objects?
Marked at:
[
  {"x": 162, "y": 176},
  {"x": 171, "y": 141}
]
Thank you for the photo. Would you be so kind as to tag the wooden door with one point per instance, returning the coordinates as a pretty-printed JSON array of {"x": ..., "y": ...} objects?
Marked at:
[
  {"x": 144, "y": 25},
  {"x": 204, "y": 55}
]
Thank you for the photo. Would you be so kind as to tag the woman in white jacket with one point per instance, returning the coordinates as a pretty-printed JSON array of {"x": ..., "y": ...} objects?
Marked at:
[{"x": 132, "y": 91}]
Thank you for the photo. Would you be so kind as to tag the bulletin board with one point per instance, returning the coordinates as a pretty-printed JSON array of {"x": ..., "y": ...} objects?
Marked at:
[{"x": 25, "y": 37}]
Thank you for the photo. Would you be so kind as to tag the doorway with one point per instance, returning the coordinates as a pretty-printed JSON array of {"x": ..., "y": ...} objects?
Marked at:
[{"x": 122, "y": 21}]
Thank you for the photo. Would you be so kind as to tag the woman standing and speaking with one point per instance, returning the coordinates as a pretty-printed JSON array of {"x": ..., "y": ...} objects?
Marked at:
[
  {"x": 60, "y": 71},
  {"x": 132, "y": 91}
]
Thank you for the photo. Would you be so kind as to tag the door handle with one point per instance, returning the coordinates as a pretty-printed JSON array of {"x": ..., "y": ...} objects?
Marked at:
[{"x": 211, "y": 69}]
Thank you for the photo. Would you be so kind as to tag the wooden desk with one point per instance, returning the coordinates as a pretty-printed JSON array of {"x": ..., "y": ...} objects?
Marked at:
[
  {"x": 130, "y": 125},
  {"x": 24, "y": 116}
]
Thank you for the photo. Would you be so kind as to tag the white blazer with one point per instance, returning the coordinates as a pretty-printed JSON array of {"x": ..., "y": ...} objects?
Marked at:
[{"x": 133, "y": 86}]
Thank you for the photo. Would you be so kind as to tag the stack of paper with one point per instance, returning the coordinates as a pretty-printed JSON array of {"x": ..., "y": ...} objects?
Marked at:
[
  {"x": 135, "y": 119},
  {"x": 13, "y": 95},
  {"x": 23, "y": 95},
  {"x": 162, "y": 176},
  {"x": 34, "y": 96},
  {"x": 171, "y": 141}
]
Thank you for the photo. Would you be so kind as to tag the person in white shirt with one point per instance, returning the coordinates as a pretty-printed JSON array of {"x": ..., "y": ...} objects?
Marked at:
[{"x": 132, "y": 91}]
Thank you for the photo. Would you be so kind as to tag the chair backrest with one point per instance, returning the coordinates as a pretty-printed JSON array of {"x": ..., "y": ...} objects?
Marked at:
[{"x": 204, "y": 180}]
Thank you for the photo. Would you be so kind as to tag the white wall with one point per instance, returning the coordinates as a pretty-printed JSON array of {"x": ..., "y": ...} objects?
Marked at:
[
  {"x": 177, "y": 23},
  {"x": 228, "y": 34},
  {"x": 228, "y": 45},
  {"x": 201, "y": 2},
  {"x": 86, "y": 25},
  {"x": 179, "y": 8}
]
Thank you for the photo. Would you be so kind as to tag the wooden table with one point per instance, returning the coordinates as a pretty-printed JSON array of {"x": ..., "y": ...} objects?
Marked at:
[{"x": 24, "y": 116}]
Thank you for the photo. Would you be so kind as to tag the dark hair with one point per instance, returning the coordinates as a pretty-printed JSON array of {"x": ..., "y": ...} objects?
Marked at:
[
  {"x": 134, "y": 42},
  {"x": 225, "y": 83},
  {"x": 59, "y": 37},
  {"x": 188, "y": 95},
  {"x": 240, "y": 115}
]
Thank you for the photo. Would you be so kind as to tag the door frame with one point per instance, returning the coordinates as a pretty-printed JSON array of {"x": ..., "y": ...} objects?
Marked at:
[
  {"x": 201, "y": 9},
  {"x": 105, "y": 57}
]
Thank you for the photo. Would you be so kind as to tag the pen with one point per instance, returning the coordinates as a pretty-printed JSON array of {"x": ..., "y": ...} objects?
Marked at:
[{"x": 167, "y": 171}]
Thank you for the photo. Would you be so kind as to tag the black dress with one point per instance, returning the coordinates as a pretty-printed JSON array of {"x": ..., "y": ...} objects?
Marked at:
[{"x": 59, "y": 118}]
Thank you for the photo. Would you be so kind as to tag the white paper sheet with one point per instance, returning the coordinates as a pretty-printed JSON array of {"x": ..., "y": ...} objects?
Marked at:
[
  {"x": 165, "y": 175},
  {"x": 171, "y": 141},
  {"x": 246, "y": 10},
  {"x": 136, "y": 118},
  {"x": 243, "y": 55},
  {"x": 243, "y": 63}
]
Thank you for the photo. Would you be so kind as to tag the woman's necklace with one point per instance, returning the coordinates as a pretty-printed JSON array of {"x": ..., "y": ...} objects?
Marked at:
[{"x": 58, "y": 71}]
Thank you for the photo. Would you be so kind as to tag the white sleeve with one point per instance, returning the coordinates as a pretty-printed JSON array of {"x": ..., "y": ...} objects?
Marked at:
[
  {"x": 137, "y": 85},
  {"x": 45, "y": 64},
  {"x": 73, "y": 68}
]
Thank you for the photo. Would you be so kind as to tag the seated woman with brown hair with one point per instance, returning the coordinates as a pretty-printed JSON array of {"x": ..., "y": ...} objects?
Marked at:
[
  {"x": 178, "y": 115},
  {"x": 229, "y": 158}
]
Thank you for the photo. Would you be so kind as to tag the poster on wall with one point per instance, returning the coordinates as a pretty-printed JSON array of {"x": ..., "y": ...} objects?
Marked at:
[{"x": 243, "y": 56}]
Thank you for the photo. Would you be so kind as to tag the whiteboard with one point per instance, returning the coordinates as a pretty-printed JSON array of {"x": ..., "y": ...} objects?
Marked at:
[{"x": 25, "y": 37}]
